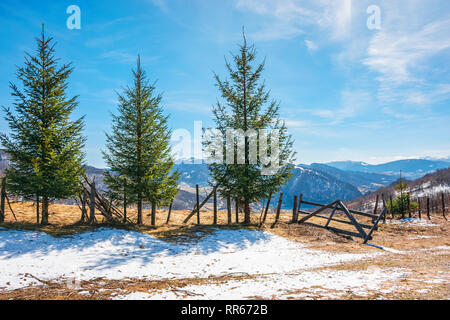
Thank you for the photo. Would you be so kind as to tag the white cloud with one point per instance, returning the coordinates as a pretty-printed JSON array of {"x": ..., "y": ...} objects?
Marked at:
[
  {"x": 288, "y": 18},
  {"x": 311, "y": 45},
  {"x": 395, "y": 55}
]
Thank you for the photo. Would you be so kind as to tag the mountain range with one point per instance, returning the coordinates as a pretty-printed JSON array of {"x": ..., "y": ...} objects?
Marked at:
[
  {"x": 411, "y": 168},
  {"x": 327, "y": 182},
  {"x": 321, "y": 182}
]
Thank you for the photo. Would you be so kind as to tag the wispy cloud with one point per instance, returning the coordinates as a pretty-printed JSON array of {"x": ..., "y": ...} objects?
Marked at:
[
  {"x": 120, "y": 56},
  {"x": 125, "y": 57},
  {"x": 400, "y": 54},
  {"x": 288, "y": 18},
  {"x": 397, "y": 55},
  {"x": 403, "y": 55},
  {"x": 162, "y": 4},
  {"x": 311, "y": 45},
  {"x": 352, "y": 103}
]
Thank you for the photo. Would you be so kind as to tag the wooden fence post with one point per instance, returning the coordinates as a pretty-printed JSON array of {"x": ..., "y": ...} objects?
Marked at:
[
  {"x": 92, "y": 203},
  {"x": 2, "y": 201},
  {"x": 262, "y": 214},
  {"x": 83, "y": 206},
  {"x": 428, "y": 208},
  {"x": 376, "y": 205},
  {"x": 170, "y": 211},
  {"x": 198, "y": 203},
  {"x": 443, "y": 206},
  {"x": 392, "y": 208},
  {"x": 294, "y": 210},
  {"x": 277, "y": 217},
  {"x": 409, "y": 206},
  {"x": 266, "y": 210},
  {"x": 299, "y": 207},
  {"x": 420, "y": 209},
  {"x": 229, "y": 209},
  {"x": 215, "y": 205},
  {"x": 384, "y": 206}
]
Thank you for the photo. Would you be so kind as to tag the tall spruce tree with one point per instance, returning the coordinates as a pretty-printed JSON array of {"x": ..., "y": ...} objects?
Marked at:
[
  {"x": 138, "y": 148},
  {"x": 45, "y": 145},
  {"x": 247, "y": 106}
]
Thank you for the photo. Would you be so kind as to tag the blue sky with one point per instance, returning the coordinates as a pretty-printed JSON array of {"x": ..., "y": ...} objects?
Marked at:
[{"x": 346, "y": 91}]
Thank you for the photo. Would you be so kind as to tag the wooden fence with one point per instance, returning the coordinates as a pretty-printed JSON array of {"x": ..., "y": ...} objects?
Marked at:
[
  {"x": 425, "y": 206},
  {"x": 339, "y": 213}
]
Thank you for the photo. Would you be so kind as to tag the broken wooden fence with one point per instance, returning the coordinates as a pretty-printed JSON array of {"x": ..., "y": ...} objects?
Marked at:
[
  {"x": 94, "y": 200},
  {"x": 4, "y": 197},
  {"x": 363, "y": 230}
]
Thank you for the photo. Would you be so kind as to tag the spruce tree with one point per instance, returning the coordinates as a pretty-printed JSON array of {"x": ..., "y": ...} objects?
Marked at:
[
  {"x": 45, "y": 145},
  {"x": 248, "y": 106},
  {"x": 138, "y": 148}
]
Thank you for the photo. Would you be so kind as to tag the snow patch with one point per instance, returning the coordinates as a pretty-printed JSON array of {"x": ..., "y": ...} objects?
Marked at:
[
  {"x": 282, "y": 286},
  {"x": 412, "y": 222},
  {"x": 422, "y": 237}
]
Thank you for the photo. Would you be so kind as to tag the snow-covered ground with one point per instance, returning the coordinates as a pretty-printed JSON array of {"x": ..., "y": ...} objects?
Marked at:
[
  {"x": 282, "y": 266},
  {"x": 407, "y": 222}
]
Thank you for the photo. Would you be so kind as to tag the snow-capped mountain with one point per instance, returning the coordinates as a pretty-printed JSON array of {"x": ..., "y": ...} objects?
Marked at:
[{"x": 411, "y": 168}]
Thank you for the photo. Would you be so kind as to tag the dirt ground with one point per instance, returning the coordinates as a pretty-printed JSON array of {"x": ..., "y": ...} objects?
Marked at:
[{"x": 421, "y": 248}]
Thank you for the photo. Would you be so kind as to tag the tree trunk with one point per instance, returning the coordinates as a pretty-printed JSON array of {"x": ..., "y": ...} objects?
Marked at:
[
  {"x": 237, "y": 210},
  {"x": 246, "y": 212},
  {"x": 44, "y": 220},
  {"x": 153, "y": 214},
  {"x": 124, "y": 206},
  {"x": 3, "y": 198},
  {"x": 215, "y": 206},
  {"x": 139, "y": 208},
  {"x": 168, "y": 214},
  {"x": 92, "y": 203},
  {"x": 229, "y": 209},
  {"x": 197, "y": 198},
  {"x": 37, "y": 209}
]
